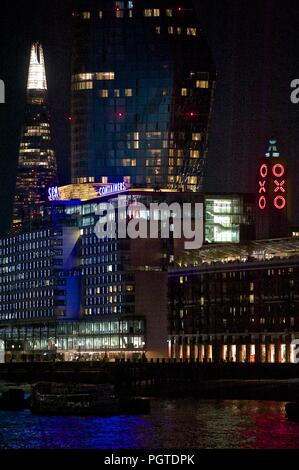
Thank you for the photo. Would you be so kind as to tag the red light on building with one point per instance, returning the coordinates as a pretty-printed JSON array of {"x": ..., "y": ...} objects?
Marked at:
[
  {"x": 120, "y": 114},
  {"x": 191, "y": 114}
]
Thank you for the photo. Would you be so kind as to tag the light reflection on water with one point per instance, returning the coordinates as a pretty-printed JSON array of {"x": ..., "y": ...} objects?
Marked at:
[{"x": 172, "y": 424}]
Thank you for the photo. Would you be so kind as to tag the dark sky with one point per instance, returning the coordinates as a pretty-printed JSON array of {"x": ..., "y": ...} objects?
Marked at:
[{"x": 255, "y": 44}]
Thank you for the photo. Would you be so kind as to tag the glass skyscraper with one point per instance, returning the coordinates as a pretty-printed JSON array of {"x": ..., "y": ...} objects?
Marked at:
[
  {"x": 36, "y": 163},
  {"x": 142, "y": 89}
]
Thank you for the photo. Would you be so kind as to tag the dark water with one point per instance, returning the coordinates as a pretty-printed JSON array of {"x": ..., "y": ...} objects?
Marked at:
[{"x": 172, "y": 424}]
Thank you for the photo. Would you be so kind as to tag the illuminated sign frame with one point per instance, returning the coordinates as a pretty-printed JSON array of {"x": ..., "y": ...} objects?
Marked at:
[{"x": 272, "y": 185}]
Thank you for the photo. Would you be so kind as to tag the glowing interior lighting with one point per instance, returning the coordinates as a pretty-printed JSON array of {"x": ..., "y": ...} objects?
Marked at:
[{"x": 37, "y": 73}]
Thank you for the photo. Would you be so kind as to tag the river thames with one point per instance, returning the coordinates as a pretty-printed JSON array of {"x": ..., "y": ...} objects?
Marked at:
[{"x": 182, "y": 423}]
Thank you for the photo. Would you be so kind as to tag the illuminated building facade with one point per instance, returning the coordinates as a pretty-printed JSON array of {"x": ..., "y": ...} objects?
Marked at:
[
  {"x": 36, "y": 169},
  {"x": 236, "y": 303},
  {"x": 273, "y": 194},
  {"x": 142, "y": 89},
  {"x": 229, "y": 218},
  {"x": 63, "y": 290}
]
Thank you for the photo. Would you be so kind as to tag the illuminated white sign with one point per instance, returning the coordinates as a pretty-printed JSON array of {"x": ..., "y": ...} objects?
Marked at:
[
  {"x": 112, "y": 188},
  {"x": 53, "y": 193}
]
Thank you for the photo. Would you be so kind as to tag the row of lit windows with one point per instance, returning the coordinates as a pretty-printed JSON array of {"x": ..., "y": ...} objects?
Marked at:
[
  {"x": 162, "y": 135},
  {"x": 26, "y": 315},
  {"x": 116, "y": 93},
  {"x": 199, "y": 84},
  {"x": 27, "y": 275},
  {"x": 27, "y": 294},
  {"x": 71, "y": 328},
  {"x": 93, "y": 76},
  {"x": 29, "y": 304},
  {"x": 128, "y": 92},
  {"x": 23, "y": 237},
  {"x": 103, "y": 310},
  {"x": 104, "y": 300},
  {"x": 34, "y": 284},
  {"x": 178, "y": 30},
  {"x": 120, "y": 12},
  {"x": 97, "y": 279}
]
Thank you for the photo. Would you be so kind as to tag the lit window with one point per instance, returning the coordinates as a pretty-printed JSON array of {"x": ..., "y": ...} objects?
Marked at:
[
  {"x": 158, "y": 29},
  {"x": 117, "y": 93},
  {"x": 119, "y": 9},
  {"x": 191, "y": 31},
  {"x": 104, "y": 93},
  {"x": 83, "y": 86},
  {"x": 196, "y": 136},
  {"x": 100, "y": 14},
  {"x": 192, "y": 180},
  {"x": 83, "y": 76},
  {"x": 194, "y": 154},
  {"x": 202, "y": 84},
  {"x": 105, "y": 76},
  {"x": 179, "y": 30},
  {"x": 128, "y": 162},
  {"x": 168, "y": 12},
  {"x": 184, "y": 92},
  {"x": 170, "y": 29},
  {"x": 86, "y": 15},
  {"x": 152, "y": 12},
  {"x": 129, "y": 92}
]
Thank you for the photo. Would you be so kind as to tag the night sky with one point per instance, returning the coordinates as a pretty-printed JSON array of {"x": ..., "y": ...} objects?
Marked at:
[{"x": 255, "y": 44}]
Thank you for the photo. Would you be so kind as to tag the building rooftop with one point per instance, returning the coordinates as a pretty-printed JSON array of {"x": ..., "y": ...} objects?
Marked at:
[{"x": 227, "y": 253}]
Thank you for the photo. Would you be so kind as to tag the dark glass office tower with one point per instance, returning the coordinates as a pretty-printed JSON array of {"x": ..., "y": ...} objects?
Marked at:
[
  {"x": 36, "y": 164},
  {"x": 142, "y": 89}
]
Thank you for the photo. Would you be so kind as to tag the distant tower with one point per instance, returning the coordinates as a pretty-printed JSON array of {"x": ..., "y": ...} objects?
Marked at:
[
  {"x": 36, "y": 163},
  {"x": 273, "y": 195}
]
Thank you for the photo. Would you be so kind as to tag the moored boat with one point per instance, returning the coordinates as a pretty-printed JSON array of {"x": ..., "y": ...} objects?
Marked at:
[{"x": 74, "y": 399}]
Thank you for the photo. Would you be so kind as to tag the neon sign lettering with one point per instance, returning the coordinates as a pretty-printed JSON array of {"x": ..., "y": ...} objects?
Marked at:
[
  {"x": 278, "y": 170},
  {"x": 262, "y": 202},
  {"x": 279, "y": 202},
  {"x": 112, "y": 188},
  {"x": 262, "y": 186},
  {"x": 53, "y": 193},
  {"x": 279, "y": 186},
  {"x": 264, "y": 170}
]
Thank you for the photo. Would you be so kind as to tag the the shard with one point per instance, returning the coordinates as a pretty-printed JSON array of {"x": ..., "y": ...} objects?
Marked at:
[{"x": 37, "y": 168}]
